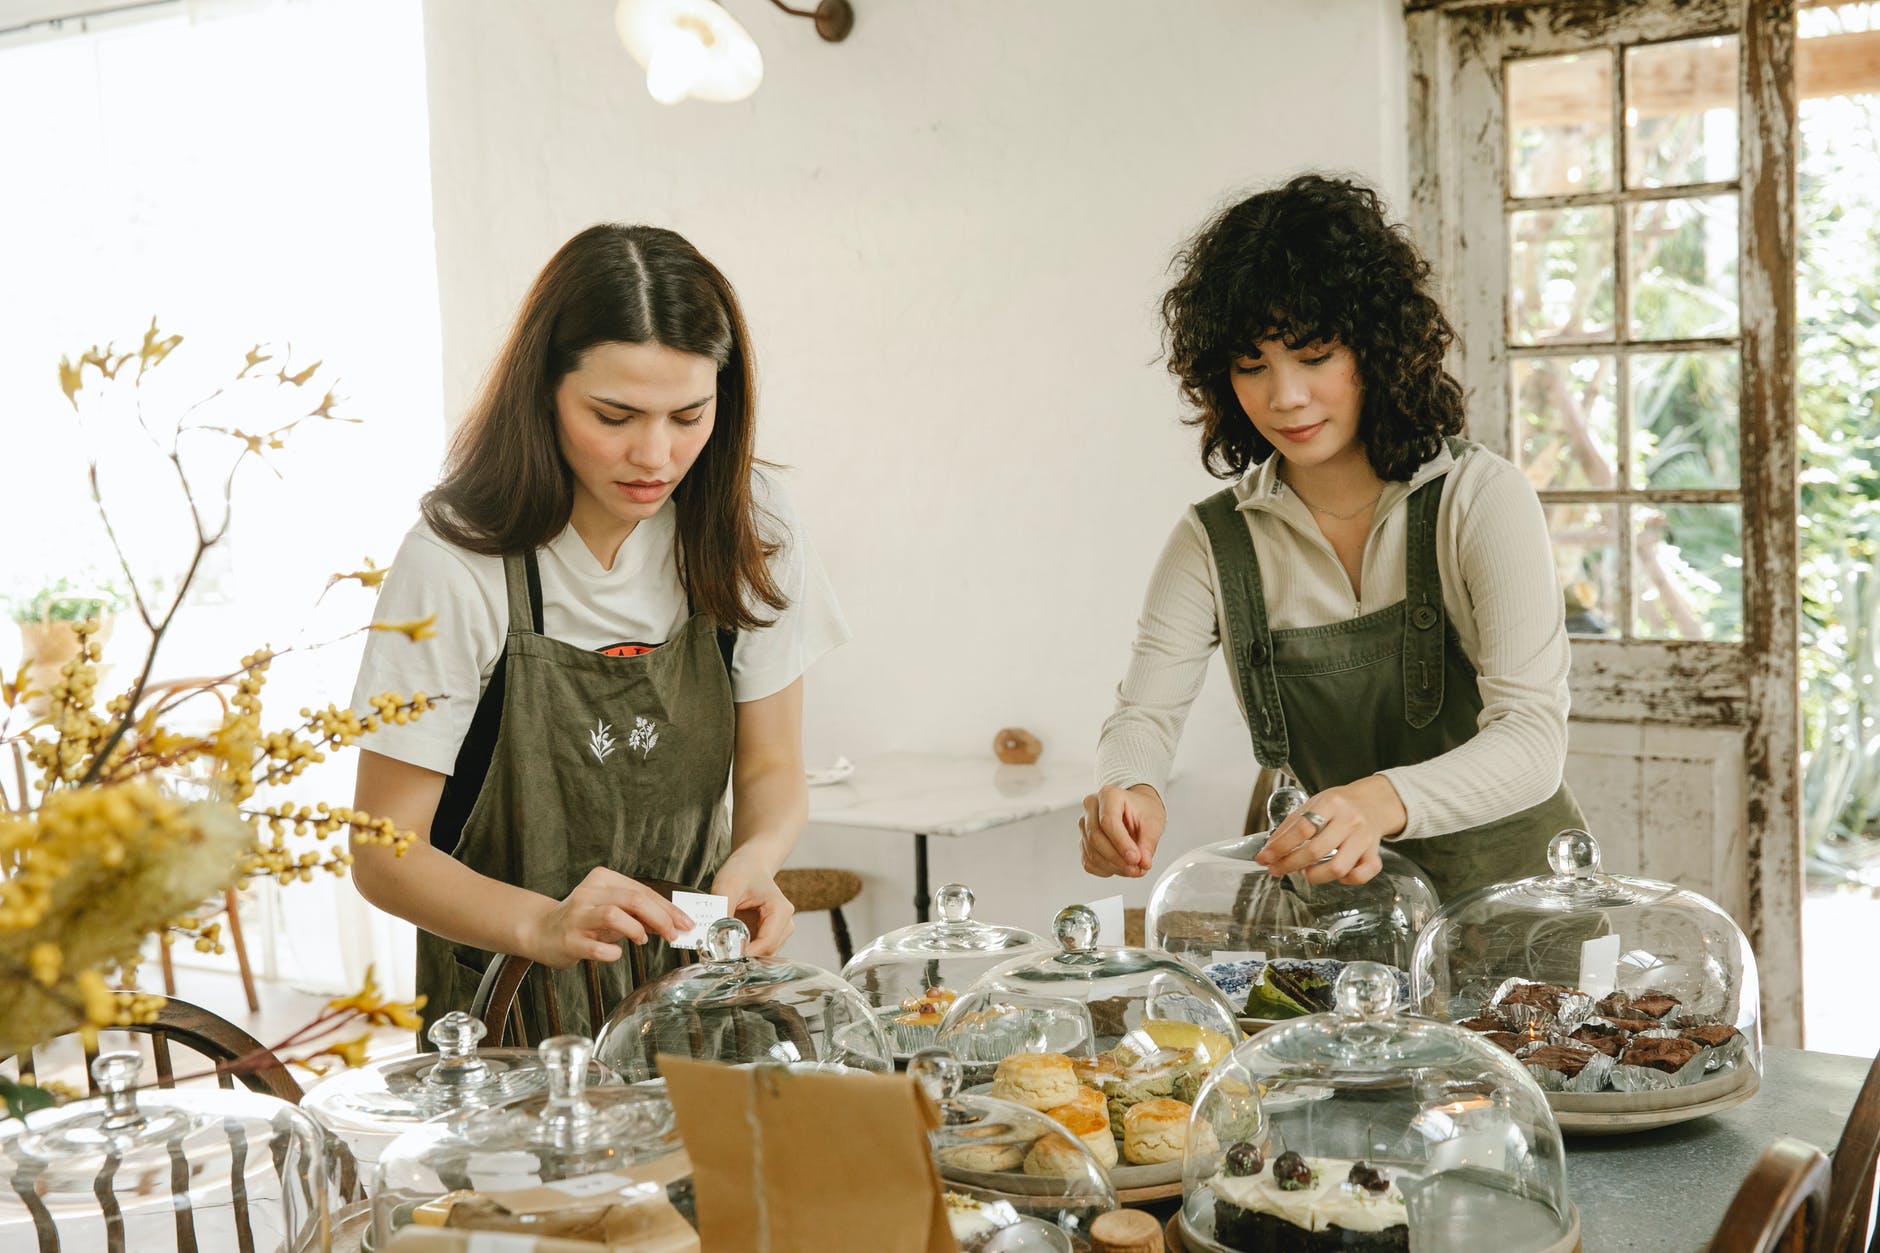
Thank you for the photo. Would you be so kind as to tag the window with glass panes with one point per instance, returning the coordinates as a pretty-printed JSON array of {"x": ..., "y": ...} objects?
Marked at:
[{"x": 1622, "y": 336}]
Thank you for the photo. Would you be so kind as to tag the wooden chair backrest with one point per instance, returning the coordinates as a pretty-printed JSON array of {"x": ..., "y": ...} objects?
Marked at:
[
  {"x": 1781, "y": 1204},
  {"x": 227, "y": 1050},
  {"x": 1851, "y": 1178},
  {"x": 497, "y": 996}
]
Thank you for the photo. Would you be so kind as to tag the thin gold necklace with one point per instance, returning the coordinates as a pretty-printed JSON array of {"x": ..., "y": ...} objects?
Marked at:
[{"x": 1340, "y": 517}]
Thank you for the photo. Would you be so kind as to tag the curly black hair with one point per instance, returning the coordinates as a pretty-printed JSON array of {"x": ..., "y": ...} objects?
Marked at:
[{"x": 1311, "y": 261}]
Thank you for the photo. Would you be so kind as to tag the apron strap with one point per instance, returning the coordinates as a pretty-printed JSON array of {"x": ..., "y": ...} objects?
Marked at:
[
  {"x": 1425, "y": 620},
  {"x": 1249, "y": 643},
  {"x": 524, "y": 578}
]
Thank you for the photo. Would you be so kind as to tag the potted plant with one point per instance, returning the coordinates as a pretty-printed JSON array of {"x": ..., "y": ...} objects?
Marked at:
[{"x": 48, "y": 620}]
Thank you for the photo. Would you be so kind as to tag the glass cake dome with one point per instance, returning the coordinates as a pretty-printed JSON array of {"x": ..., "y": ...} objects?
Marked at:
[
  {"x": 1369, "y": 1128},
  {"x": 910, "y": 976},
  {"x": 169, "y": 1169},
  {"x": 1014, "y": 1179},
  {"x": 584, "y": 1150},
  {"x": 367, "y": 1107},
  {"x": 1619, "y": 995},
  {"x": 1086, "y": 1000},
  {"x": 1279, "y": 941},
  {"x": 738, "y": 1009}
]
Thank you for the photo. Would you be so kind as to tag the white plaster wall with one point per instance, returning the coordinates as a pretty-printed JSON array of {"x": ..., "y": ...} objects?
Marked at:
[{"x": 950, "y": 234}]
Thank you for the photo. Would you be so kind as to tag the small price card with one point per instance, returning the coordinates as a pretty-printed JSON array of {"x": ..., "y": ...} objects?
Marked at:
[{"x": 703, "y": 910}]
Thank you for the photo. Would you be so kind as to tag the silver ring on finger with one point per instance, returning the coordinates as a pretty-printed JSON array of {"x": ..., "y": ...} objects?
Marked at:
[{"x": 1319, "y": 821}]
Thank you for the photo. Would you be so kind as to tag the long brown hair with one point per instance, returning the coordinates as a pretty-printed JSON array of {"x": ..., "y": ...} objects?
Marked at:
[{"x": 506, "y": 488}]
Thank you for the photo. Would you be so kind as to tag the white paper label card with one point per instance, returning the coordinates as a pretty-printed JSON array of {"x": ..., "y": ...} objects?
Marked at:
[
  {"x": 1109, "y": 912},
  {"x": 498, "y": 1242},
  {"x": 503, "y": 1171},
  {"x": 1222, "y": 957},
  {"x": 591, "y": 1185},
  {"x": 703, "y": 910},
  {"x": 1599, "y": 966}
]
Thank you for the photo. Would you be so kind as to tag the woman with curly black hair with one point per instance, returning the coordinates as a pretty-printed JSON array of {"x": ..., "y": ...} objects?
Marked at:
[{"x": 1385, "y": 589}]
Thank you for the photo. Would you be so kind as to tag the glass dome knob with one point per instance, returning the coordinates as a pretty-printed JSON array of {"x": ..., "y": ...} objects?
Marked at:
[
  {"x": 725, "y": 940},
  {"x": 938, "y": 1072},
  {"x": 565, "y": 1058},
  {"x": 955, "y": 901},
  {"x": 1076, "y": 928},
  {"x": 456, "y": 1035},
  {"x": 1365, "y": 990},
  {"x": 1574, "y": 854},
  {"x": 1283, "y": 804},
  {"x": 117, "y": 1075}
]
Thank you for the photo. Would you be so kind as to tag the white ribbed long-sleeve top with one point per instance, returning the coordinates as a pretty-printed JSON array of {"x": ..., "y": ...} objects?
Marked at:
[{"x": 1499, "y": 586}]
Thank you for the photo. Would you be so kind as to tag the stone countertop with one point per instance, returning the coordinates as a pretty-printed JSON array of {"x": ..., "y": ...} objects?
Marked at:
[{"x": 1666, "y": 1190}]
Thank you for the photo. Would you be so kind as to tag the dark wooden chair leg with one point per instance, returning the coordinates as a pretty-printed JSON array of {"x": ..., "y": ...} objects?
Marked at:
[{"x": 845, "y": 948}]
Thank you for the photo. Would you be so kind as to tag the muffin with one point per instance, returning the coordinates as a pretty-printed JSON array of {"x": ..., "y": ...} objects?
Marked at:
[
  {"x": 1155, "y": 1131},
  {"x": 1037, "y": 1081},
  {"x": 916, "y": 1026},
  {"x": 1054, "y": 1155}
]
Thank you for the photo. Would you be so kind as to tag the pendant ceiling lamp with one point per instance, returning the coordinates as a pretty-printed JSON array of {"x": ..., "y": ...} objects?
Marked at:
[{"x": 695, "y": 49}]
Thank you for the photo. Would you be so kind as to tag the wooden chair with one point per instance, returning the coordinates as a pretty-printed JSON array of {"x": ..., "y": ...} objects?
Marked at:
[
  {"x": 1850, "y": 1188},
  {"x": 1781, "y": 1206},
  {"x": 497, "y": 996},
  {"x": 213, "y": 1039},
  {"x": 813, "y": 890}
]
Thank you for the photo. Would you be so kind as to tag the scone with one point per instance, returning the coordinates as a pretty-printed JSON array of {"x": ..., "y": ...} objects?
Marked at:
[
  {"x": 1092, "y": 1126},
  {"x": 1097, "y": 1071},
  {"x": 1086, "y": 1098},
  {"x": 1155, "y": 1131},
  {"x": 1003, "y": 1149},
  {"x": 1037, "y": 1081}
]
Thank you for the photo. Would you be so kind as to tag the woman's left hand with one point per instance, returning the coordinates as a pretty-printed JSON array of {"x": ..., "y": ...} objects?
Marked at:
[
  {"x": 751, "y": 894},
  {"x": 1356, "y": 819}
]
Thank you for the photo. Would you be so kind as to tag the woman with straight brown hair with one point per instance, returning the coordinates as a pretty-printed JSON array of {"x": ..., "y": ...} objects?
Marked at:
[{"x": 625, "y": 606}]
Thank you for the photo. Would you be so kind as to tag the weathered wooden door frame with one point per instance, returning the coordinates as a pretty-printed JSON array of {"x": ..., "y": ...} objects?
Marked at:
[{"x": 1753, "y": 686}]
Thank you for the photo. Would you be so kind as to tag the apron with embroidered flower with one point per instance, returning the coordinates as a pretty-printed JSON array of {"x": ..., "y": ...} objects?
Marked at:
[
  {"x": 1333, "y": 704},
  {"x": 576, "y": 759}
]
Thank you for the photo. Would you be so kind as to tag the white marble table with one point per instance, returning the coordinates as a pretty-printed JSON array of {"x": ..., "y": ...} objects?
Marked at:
[{"x": 940, "y": 794}]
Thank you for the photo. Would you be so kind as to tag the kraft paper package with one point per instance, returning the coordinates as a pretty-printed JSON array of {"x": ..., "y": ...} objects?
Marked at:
[{"x": 808, "y": 1161}]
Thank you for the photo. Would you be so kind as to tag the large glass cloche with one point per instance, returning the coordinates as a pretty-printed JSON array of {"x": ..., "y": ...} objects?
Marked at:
[
  {"x": 1369, "y": 1128},
  {"x": 912, "y": 976},
  {"x": 1112, "y": 1042},
  {"x": 568, "y": 1161},
  {"x": 171, "y": 1169},
  {"x": 739, "y": 1009},
  {"x": 1620, "y": 995},
  {"x": 1276, "y": 943},
  {"x": 1015, "y": 1180},
  {"x": 367, "y": 1107}
]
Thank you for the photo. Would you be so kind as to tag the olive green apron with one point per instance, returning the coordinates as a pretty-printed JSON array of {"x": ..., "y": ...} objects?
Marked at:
[
  {"x": 598, "y": 761},
  {"x": 1334, "y": 704}
]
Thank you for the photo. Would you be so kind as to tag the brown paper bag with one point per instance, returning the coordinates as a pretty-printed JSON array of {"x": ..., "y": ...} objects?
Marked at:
[{"x": 808, "y": 1162}]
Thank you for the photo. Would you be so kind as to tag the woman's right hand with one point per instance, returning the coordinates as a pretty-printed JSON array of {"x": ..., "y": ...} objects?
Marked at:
[
  {"x": 1120, "y": 829},
  {"x": 603, "y": 908}
]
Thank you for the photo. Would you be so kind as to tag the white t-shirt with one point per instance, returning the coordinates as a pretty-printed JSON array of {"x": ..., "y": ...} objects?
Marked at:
[{"x": 640, "y": 602}]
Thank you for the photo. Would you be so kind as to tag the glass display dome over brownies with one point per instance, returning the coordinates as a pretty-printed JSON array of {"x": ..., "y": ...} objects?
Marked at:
[
  {"x": 1015, "y": 1180},
  {"x": 1633, "y": 1003},
  {"x": 142, "y": 1170},
  {"x": 1367, "y": 1128},
  {"x": 737, "y": 1009},
  {"x": 912, "y": 976},
  {"x": 1276, "y": 944},
  {"x": 564, "y": 1162}
]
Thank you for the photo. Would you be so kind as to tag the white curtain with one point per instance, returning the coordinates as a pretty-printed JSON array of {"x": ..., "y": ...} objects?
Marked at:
[{"x": 245, "y": 172}]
